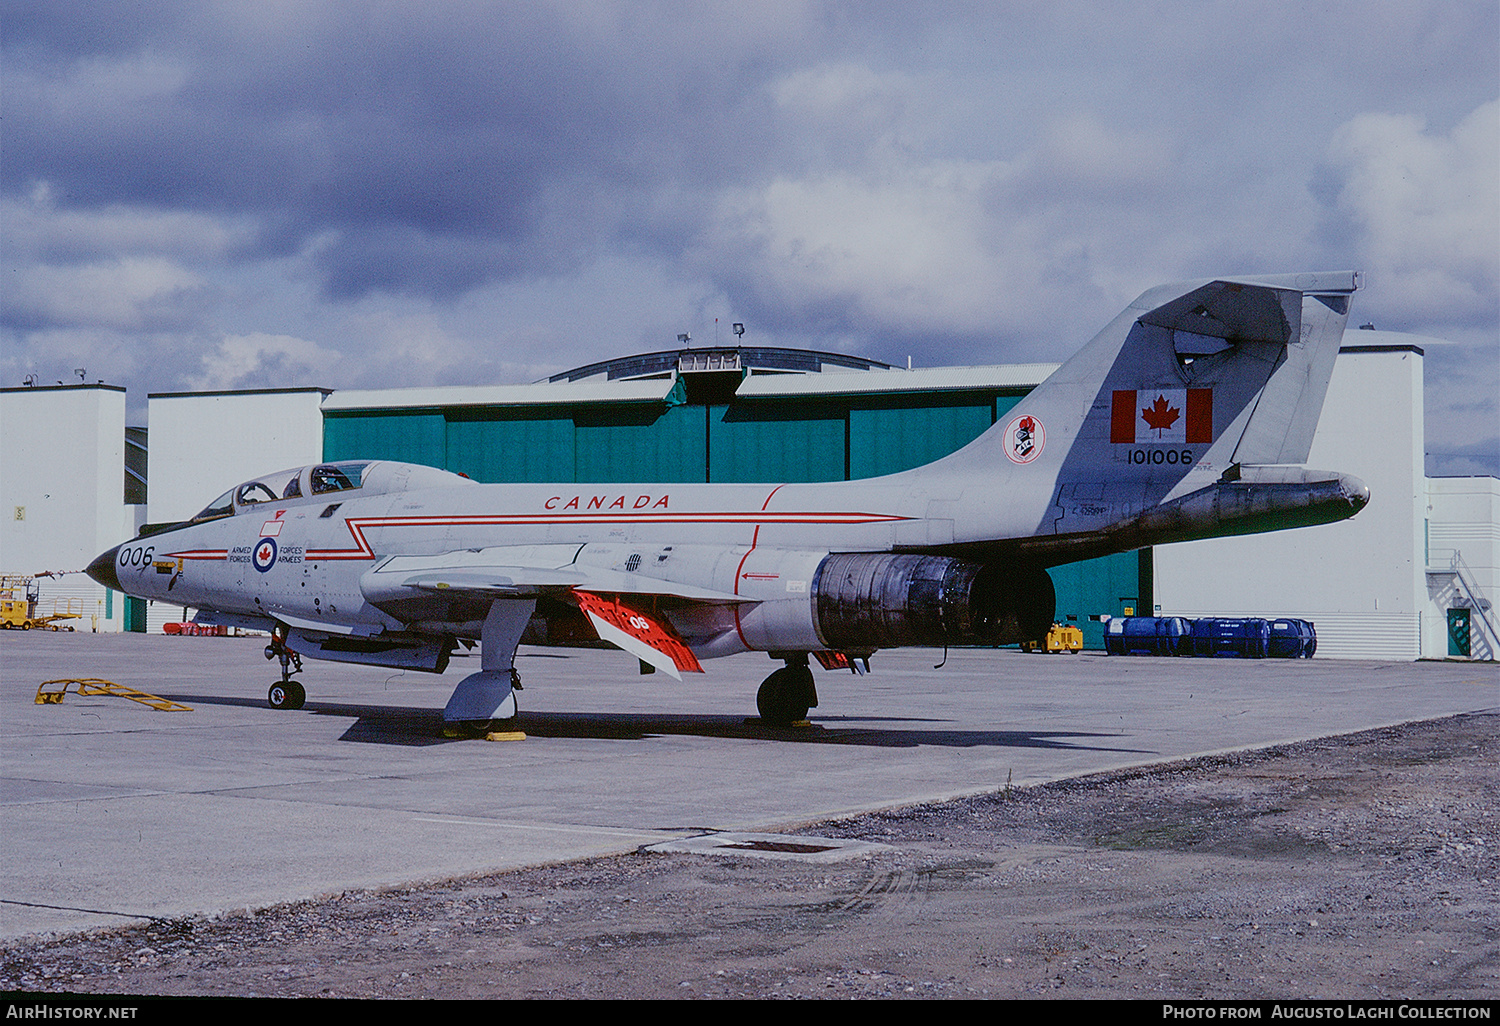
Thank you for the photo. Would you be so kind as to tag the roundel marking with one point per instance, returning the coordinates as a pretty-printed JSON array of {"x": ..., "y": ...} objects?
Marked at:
[
  {"x": 264, "y": 556},
  {"x": 1024, "y": 439}
]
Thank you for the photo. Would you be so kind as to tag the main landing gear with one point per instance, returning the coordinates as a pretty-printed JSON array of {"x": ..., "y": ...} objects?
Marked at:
[
  {"x": 484, "y": 703},
  {"x": 502, "y": 722},
  {"x": 285, "y": 693},
  {"x": 786, "y": 695}
]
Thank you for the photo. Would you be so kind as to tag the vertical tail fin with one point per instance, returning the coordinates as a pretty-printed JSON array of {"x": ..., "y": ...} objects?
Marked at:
[
  {"x": 1188, "y": 382},
  {"x": 1216, "y": 372},
  {"x": 1250, "y": 360}
]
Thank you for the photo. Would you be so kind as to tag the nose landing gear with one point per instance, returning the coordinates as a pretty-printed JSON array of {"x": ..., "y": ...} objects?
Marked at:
[{"x": 285, "y": 693}]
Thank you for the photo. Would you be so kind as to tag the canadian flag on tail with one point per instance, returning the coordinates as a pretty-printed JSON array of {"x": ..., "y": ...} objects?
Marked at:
[{"x": 1167, "y": 415}]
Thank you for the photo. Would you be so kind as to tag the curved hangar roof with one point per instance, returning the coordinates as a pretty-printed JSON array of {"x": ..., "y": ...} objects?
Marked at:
[
  {"x": 740, "y": 372},
  {"x": 754, "y": 359}
]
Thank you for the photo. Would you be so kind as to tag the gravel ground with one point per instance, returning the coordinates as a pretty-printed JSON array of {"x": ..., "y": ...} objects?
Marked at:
[{"x": 1354, "y": 867}]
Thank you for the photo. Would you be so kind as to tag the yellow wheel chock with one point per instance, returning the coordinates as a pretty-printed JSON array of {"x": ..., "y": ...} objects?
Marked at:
[{"x": 96, "y": 686}]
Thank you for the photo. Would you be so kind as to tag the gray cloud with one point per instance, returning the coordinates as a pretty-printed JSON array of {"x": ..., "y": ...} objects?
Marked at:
[{"x": 529, "y": 186}]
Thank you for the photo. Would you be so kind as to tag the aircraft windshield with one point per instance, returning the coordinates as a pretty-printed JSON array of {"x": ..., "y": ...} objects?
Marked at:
[
  {"x": 322, "y": 479},
  {"x": 223, "y": 506},
  {"x": 253, "y": 492},
  {"x": 337, "y": 477}
]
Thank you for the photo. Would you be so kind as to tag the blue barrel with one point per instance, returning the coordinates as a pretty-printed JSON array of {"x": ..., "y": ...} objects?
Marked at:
[
  {"x": 1146, "y": 635},
  {"x": 1292, "y": 639},
  {"x": 1237, "y": 637}
]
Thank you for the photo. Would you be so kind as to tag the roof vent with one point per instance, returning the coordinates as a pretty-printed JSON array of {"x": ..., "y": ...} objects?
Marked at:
[{"x": 707, "y": 360}]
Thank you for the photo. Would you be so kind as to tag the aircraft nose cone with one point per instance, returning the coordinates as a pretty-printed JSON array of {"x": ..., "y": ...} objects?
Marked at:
[{"x": 102, "y": 569}]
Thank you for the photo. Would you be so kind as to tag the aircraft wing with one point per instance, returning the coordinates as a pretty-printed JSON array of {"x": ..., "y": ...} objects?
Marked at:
[
  {"x": 619, "y": 605},
  {"x": 519, "y": 571}
]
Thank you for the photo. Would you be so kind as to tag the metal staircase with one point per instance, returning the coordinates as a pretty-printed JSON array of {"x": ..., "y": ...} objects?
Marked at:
[{"x": 1484, "y": 642}]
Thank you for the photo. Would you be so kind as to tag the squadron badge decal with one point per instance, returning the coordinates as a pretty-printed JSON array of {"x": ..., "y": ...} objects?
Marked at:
[{"x": 1024, "y": 438}]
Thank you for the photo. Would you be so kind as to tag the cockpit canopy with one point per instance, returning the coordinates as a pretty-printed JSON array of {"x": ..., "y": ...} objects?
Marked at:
[{"x": 324, "y": 481}]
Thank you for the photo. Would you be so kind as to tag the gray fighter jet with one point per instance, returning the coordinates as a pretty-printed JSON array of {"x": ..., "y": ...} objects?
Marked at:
[{"x": 1185, "y": 418}]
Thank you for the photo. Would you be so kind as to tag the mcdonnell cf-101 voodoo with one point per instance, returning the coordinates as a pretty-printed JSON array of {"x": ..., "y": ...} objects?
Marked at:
[{"x": 1185, "y": 418}]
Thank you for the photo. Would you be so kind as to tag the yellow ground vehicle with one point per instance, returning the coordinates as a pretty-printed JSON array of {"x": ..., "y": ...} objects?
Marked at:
[
  {"x": 19, "y": 596},
  {"x": 1061, "y": 638}
]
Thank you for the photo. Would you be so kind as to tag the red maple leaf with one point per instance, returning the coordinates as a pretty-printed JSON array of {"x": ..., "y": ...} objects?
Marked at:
[{"x": 1160, "y": 414}]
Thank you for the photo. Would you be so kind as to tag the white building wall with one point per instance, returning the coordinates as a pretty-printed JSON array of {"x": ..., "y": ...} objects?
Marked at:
[
  {"x": 1463, "y": 518},
  {"x": 204, "y": 443},
  {"x": 1361, "y": 581},
  {"x": 62, "y": 493}
]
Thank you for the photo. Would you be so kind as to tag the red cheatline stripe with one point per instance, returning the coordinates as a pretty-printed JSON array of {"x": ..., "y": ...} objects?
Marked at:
[
  {"x": 362, "y": 549},
  {"x": 358, "y": 525},
  {"x": 628, "y": 518}
]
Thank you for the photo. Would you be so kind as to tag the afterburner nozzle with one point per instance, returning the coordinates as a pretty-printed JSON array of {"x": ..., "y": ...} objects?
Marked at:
[{"x": 1355, "y": 491}]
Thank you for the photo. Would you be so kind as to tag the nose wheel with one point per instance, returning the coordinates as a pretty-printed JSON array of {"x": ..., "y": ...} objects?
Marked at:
[
  {"x": 786, "y": 695},
  {"x": 286, "y": 695}
]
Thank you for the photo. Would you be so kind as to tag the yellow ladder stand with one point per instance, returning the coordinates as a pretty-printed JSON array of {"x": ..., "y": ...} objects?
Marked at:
[{"x": 96, "y": 686}]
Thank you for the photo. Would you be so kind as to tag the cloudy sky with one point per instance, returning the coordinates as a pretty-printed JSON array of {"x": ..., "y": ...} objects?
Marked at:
[{"x": 354, "y": 194}]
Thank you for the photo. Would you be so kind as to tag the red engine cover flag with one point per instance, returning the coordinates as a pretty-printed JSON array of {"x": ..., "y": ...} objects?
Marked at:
[{"x": 640, "y": 627}]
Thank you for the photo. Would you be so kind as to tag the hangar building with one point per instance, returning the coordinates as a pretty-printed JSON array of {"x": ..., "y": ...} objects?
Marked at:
[{"x": 1409, "y": 577}]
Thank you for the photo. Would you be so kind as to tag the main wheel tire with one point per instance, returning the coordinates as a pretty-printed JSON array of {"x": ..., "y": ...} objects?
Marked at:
[
  {"x": 785, "y": 696},
  {"x": 286, "y": 695}
]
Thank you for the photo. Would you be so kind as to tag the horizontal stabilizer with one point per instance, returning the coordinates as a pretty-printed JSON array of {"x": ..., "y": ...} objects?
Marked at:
[{"x": 1230, "y": 310}]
